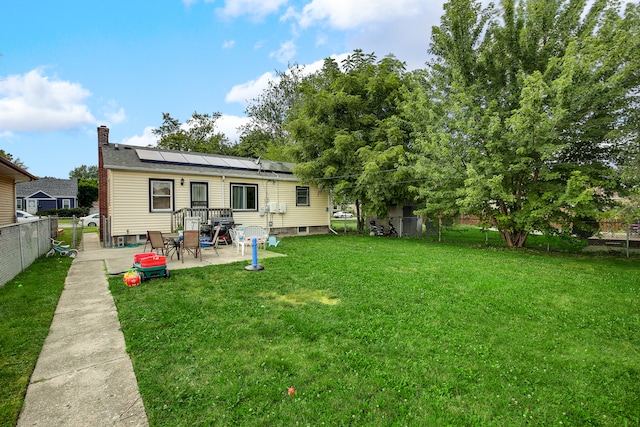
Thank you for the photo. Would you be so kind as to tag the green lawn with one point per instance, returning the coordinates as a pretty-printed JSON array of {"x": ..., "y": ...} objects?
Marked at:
[
  {"x": 376, "y": 331},
  {"x": 27, "y": 304}
]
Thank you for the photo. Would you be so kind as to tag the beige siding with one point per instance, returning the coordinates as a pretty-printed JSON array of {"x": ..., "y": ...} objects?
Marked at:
[
  {"x": 7, "y": 200},
  {"x": 129, "y": 202},
  {"x": 284, "y": 192}
]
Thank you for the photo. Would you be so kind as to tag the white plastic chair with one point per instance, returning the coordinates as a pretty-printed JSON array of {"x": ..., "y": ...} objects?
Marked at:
[{"x": 237, "y": 239}]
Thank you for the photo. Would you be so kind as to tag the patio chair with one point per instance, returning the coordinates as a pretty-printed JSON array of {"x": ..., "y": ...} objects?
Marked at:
[
  {"x": 238, "y": 239},
  {"x": 273, "y": 242},
  {"x": 214, "y": 242},
  {"x": 191, "y": 243},
  {"x": 157, "y": 242}
]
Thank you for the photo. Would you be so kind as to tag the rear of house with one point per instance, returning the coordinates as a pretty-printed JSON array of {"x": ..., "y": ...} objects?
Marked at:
[{"x": 145, "y": 189}]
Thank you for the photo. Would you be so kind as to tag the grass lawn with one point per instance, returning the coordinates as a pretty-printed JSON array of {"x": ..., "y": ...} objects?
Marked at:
[
  {"x": 376, "y": 331},
  {"x": 27, "y": 304}
]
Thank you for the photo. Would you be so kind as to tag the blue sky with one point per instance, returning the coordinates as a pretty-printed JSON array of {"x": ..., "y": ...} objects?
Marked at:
[{"x": 69, "y": 66}]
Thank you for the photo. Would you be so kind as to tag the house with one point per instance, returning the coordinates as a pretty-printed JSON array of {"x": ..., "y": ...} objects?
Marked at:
[
  {"x": 47, "y": 194},
  {"x": 11, "y": 175},
  {"x": 144, "y": 188}
]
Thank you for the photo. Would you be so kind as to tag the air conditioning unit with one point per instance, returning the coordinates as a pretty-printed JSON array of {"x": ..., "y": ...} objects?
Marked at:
[
  {"x": 273, "y": 207},
  {"x": 282, "y": 208}
]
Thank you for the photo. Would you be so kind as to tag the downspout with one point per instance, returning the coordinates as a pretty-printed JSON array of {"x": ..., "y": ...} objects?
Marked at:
[
  {"x": 222, "y": 191},
  {"x": 266, "y": 205},
  {"x": 329, "y": 213}
]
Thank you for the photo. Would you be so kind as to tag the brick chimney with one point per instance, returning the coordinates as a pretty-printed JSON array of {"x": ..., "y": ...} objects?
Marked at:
[
  {"x": 103, "y": 135},
  {"x": 103, "y": 144}
]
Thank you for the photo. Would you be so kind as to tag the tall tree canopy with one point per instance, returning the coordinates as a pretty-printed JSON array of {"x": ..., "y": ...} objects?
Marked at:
[
  {"x": 264, "y": 135},
  {"x": 85, "y": 172},
  {"x": 525, "y": 110},
  {"x": 87, "y": 177},
  {"x": 197, "y": 134},
  {"x": 348, "y": 133}
]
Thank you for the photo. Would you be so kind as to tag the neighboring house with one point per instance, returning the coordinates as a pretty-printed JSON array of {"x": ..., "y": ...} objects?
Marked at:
[
  {"x": 47, "y": 194},
  {"x": 143, "y": 188},
  {"x": 10, "y": 176}
]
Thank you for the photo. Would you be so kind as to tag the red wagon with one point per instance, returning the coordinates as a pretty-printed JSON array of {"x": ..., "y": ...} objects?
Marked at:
[{"x": 150, "y": 265}]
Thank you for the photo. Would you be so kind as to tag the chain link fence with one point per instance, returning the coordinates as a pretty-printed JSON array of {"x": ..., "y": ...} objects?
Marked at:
[{"x": 21, "y": 244}]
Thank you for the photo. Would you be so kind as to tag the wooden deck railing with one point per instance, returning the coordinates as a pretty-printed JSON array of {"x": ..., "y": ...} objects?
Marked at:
[{"x": 205, "y": 214}]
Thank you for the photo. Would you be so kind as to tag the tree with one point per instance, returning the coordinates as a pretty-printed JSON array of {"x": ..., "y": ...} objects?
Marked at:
[
  {"x": 85, "y": 172},
  {"x": 348, "y": 134},
  {"x": 197, "y": 134},
  {"x": 9, "y": 157},
  {"x": 87, "y": 177},
  {"x": 87, "y": 192},
  {"x": 264, "y": 136},
  {"x": 524, "y": 111}
]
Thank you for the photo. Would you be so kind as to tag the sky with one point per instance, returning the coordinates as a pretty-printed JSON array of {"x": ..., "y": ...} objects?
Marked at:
[{"x": 69, "y": 66}]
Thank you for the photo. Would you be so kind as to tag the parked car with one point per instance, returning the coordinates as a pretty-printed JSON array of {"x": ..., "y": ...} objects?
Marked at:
[
  {"x": 341, "y": 214},
  {"x": 90, "y": 221},
  {"x": 26, "y": 216}
]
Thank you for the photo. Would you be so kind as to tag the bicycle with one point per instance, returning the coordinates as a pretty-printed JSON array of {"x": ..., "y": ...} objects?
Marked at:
[{"x": 59, "y": 248}]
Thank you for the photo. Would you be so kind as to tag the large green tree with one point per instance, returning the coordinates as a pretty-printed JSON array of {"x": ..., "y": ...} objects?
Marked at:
[
  {"x": 524, "y": 111},
  {"x": 197, "y": 134},
  {"x": 264, "y": 135},
  {"x": 87, "y": 177},
  {"x": 348, "y": 133}
]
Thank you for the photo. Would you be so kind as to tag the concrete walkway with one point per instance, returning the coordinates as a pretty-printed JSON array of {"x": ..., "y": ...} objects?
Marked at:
[{"x": 84, "y": 376}]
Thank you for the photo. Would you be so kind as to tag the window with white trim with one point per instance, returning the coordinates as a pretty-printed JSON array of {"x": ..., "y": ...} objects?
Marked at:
[
  {"x": 160, "y": 195},
  {"x": 244, "y": 197},
  {"x": 302, "y": 196},
  {"x": 66, "y": 203}
]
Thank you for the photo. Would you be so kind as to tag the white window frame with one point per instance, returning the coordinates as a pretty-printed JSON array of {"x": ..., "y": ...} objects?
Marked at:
[
  {"x": 243, "y": 206},
  {"x": 155, "y": 185},
  {"x": 307, "y": 196}
]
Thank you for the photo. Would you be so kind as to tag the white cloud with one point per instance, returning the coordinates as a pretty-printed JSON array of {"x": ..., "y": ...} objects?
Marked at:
[
  {"x": 256, "y": 8},
  {"x": 228, "y": 44},
  {"x": 285, "y": 53},
  {"x": 113, "y": 113},
  {"x": 345, "y": 15},
  {"x": 245, "y": 92},
  {"x": 229, "y": 125},
  {"x": 116, "y": 117},
  {"x": 146, "y": 139},
  {"x": 35, "y": 103}
]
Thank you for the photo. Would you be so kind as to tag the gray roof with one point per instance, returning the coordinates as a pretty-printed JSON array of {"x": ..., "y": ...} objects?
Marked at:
[
  {"x": 148, "y": 159},
  {"x": 54, "y": 187}
]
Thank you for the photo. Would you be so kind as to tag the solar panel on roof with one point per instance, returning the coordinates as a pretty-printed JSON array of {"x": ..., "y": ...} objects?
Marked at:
[
  {"x": 174, "y": 157},
  {"x": 235, "y": 163},
  {"x": 149, "y": 155},
  {"x": 275, "y": 166},
  {"x": 210, "y": 160},
  {"x": 248, "y": 164},
  {"x": 195, "y": 159},
  {"x": 215, "y": 161}
]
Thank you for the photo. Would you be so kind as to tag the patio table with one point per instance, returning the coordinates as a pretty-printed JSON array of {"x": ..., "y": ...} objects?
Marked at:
[{"x": 172, "y": 243}]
